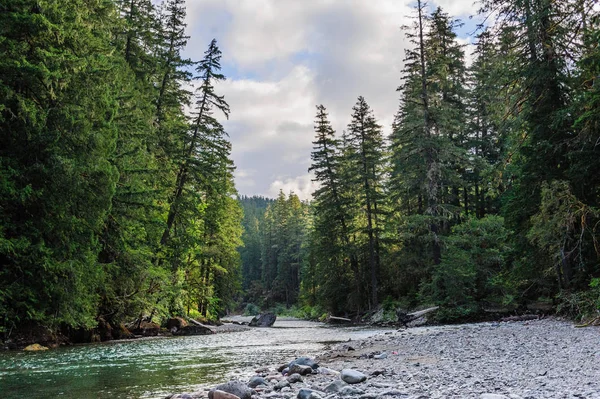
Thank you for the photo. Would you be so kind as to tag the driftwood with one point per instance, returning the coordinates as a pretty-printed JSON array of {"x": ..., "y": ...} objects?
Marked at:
[
  {"x": 195, "y": 328},
  {"x": 405, "y": 318},
  {"x": 593, "y": 322},
  {"x": 523, "y": 317}
]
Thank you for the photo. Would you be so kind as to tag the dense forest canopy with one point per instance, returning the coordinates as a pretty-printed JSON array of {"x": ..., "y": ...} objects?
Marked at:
[{"x": 117, "y": 196}]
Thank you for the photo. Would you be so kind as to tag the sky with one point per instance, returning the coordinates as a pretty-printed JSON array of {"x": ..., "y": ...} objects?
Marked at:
[{"x": 284, "y": 57}]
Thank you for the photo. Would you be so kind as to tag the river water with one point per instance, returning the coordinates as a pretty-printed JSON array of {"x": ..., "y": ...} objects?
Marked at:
[{"x": 153, "y": 368}]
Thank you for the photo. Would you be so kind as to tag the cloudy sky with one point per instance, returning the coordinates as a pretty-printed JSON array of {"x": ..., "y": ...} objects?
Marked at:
[{"x": 283, "y": 57}]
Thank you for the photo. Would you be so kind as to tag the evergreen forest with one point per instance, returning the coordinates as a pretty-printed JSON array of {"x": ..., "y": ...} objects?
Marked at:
[{"x": 117, "y": 194}]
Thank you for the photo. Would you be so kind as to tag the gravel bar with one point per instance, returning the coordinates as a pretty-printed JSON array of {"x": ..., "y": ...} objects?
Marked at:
[
  {"x": 536, "y": 359},
  {"x": 547, "y": 358}
]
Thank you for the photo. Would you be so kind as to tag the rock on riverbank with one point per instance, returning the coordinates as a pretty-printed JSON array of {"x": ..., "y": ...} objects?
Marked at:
[{"x": 539, "y": 359}]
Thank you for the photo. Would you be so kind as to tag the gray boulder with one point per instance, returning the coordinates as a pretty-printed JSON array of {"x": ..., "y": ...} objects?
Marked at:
[
  {"x": 300, "y": 369},
  {"x": 304, "y": 361},
  {"x": 352, "y": 376},
  {"x": 237, "y": 388},
  {"x": 263, "y": 320},
  {"x": 224, "y": 395},
  {"x": 306, "y": 393},
  {"x": 281, "y": 384},
  {"x": 256, "y": 381},
  {"x": 293, "y": 378},
  {"x": 335, "y": 386}
]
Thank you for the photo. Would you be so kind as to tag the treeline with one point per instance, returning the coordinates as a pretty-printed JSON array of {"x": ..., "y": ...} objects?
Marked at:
[
  {"x": 115, "y": 203},
  {"x": 485, "y": 196},
  {"x": 274, "y": 237}
]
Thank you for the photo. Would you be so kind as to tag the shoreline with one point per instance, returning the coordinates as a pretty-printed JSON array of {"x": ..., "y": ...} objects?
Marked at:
[{"x": 546, "y": 358}]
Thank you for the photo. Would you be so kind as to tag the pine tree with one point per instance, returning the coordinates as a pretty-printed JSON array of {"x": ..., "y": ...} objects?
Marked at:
[
  {"x": 541, "y": 92},
  {"x": 58, "y": 90},
  {"x": 204, "y": 128},
  {"x": 332, "y": 220},
  {"x": 485, "y": 117},
  {"x": 366, "y": 139}
]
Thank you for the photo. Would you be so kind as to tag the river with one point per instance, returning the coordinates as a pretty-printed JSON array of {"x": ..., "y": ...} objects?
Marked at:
[{"x": 155, "y": 367}]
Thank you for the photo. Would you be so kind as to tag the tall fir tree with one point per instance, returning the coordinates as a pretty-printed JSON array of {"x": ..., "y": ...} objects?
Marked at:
[
  {"x": 58, "y": 89},
  {"x": 366, "y": 139}
]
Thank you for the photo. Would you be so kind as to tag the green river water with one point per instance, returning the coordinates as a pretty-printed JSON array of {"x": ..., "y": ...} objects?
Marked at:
[{"x": 153, "y": 368}]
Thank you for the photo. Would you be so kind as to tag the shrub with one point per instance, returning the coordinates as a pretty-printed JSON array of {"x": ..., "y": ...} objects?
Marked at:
[
  {"x": 472, "y": 262},
  {"x": 251, "y": 310}
]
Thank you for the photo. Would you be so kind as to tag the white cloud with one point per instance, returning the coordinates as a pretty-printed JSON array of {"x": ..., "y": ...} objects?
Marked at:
[
  {"x": 468, "y": 48},
  {"x": 302, "y": 186},
  {"x": 458, "y": 8},
  {"x": 283, "y": 57}
]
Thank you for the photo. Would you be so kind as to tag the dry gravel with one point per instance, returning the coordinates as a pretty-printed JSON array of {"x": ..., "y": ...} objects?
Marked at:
[{"x": 537, "y": 359}]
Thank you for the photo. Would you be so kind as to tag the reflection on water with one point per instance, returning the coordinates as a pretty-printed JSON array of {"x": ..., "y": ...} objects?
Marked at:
[{"x": 152, "y": 368}]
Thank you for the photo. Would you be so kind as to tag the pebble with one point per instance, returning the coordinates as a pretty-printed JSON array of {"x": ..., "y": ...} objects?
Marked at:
[
  {"x": 224, "y": 395},
  {"x": 305, "y": 393},
  {"x": 236, "y": 388},
  {"x": 256, "y": 381},
  {"x": 352, "y": 376},
  {"x": 281, "y": 384},
  {"x": 300, "y": 369},
  {"x": 350, "y": 391},
  {"x": 335, "y": 386},
  {"x": 304, "y": 361}
]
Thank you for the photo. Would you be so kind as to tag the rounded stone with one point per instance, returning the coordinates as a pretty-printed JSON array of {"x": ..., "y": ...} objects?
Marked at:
[{"x": 352, "y": 376}]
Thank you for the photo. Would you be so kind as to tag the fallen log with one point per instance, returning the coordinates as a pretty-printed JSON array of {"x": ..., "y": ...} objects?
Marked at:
[
  {"x": 423, "y": 312},
  {"x": 405, "y": 318}
]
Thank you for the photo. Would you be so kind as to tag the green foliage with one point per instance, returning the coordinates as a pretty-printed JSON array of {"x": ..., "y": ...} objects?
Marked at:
[
  {"x": 474, "y": 257},
  {"x": 251, "y": 310},
  {"x": 254, "y": 211},
  {"x": 54, "y": 149},
  {"x": 564, "y": 229},
  {"x": 282, "y": 248},
  {"x": 583, "y": 304},
  {"x": 116, "y": 204},
  {"x": 94, "y": 141}
]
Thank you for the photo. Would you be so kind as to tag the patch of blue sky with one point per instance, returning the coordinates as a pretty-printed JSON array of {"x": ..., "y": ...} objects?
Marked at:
[{"x": 306, "y": 58}]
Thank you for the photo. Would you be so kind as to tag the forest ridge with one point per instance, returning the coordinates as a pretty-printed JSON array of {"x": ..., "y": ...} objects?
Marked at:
[{"x": 117, "y": 204}]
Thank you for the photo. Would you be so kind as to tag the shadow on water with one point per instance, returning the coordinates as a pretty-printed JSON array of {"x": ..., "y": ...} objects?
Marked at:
[{"x": 152, "y": 368}]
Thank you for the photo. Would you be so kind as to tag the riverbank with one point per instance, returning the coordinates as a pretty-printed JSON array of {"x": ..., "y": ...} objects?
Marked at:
[
  {"x": 535, "y": 359},
  {"x": 152, "y": 368}
]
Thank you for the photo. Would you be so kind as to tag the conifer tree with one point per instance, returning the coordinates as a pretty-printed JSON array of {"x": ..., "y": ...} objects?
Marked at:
[
  {"x": 203, "y": 129},
  {"x": 366, "y": 140},
  {"x": 58, "y": 90},
  {"x": 332, "y": 220}
]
